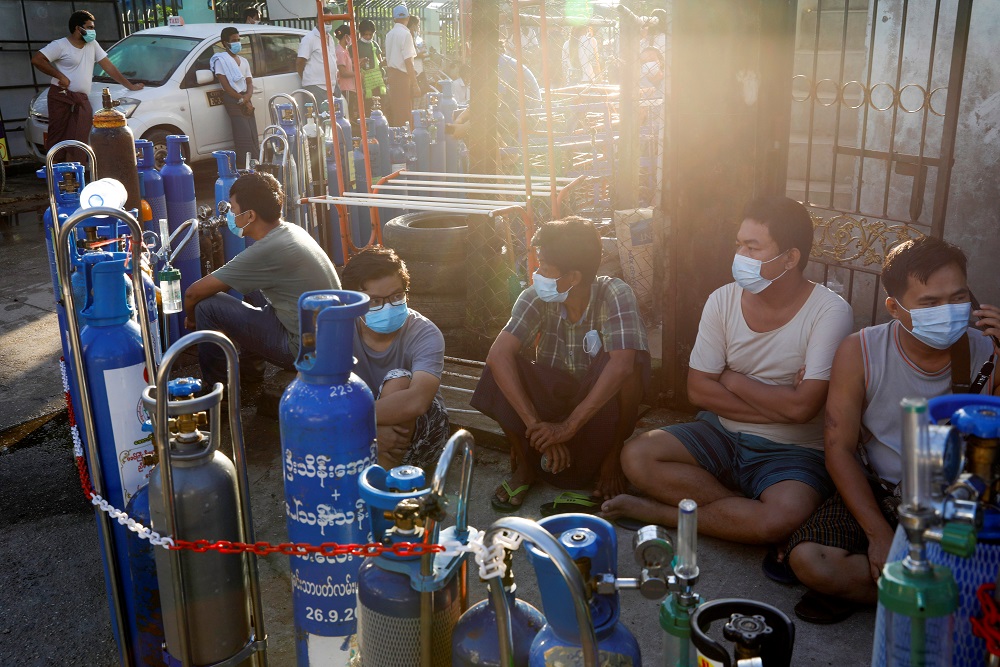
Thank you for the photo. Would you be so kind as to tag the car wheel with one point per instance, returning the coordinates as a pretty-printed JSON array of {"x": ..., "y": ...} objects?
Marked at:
[{"x": 159, "y": 139}]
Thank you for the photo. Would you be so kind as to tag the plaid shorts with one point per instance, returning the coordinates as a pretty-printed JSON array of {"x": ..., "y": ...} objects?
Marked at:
[
  {"x": 430, "y": 433},
  {"x": 749, "y": 463},
  {"x": 833, "y": 525}
]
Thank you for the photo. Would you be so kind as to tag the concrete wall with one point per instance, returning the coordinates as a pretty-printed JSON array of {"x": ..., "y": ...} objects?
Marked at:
[{"x": 974, "y": 206}]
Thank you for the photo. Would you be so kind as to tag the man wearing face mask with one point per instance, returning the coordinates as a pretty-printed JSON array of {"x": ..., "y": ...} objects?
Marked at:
[
  {"x": 565, "y": 376},
  {"x": 400, "y": 356},
  {"x": 309, "y": 60},
  {"x": 282, "y": 264},
  {"x": 233, "y": 73},
  {"x": 928, "y": 349},
  {"x": 70, "y": 62},
  {"x": 760, "y": 368}
]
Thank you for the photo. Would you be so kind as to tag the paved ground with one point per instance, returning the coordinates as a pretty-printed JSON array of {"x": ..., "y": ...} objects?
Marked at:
[{"x": 52, "y": 601}]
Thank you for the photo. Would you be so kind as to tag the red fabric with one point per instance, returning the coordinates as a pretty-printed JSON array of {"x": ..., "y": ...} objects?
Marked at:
[{"x": 70, "y": 117}]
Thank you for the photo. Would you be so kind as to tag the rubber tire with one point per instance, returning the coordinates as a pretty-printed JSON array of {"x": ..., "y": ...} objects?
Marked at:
[
  {"x": 418, "y": 236},
  {"x": 445, "y": 311},
  {"x": 159, "y": 138},
  {"x": 443, "y": 278}
]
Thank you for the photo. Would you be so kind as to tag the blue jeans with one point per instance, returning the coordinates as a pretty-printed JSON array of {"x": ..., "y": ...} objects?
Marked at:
[{"x": 252, "y": 325}]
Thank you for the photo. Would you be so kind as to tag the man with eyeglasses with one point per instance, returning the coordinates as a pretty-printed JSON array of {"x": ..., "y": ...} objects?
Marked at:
[
  {"x": 400, "y": 356},
  {"x": 283, "y": 263}
]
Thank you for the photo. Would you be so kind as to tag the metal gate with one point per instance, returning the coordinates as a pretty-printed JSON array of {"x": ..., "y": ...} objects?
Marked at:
[{"x": 874, "y": 112}]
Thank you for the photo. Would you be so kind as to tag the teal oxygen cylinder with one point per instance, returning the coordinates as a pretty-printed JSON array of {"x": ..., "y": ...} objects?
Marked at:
[{"x": 182, "y": 205}]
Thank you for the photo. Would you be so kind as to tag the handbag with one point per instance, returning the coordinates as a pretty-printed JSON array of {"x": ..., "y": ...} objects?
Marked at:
[{"x": 373, "y": 82}]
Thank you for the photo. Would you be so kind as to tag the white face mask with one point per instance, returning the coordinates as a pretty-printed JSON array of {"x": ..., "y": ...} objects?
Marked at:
[
  {"x": 746, "y": 272},
  {"x": 650, "y": 69},
  {"x": 939, "y": 326},
  {"x": 547, "y": 289},
  {"x": 365, "y": 41}
]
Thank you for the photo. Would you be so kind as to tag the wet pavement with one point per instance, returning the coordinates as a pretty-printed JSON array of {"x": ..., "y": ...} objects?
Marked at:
[{"x": 52, "y": 595}]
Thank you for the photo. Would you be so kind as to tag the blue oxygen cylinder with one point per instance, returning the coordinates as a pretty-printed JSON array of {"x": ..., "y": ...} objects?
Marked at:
[
  {"x": 362, "y": 221},
  {"x": 475, "y": 642},
  {"x": 111, "y": 346},
  {"x": 463, "y": 157},
  {"x": 421, "y": 141},
  {"x": 333, "y": 216},
  {"x": 152, "y": 182},
  {"x": 397, "y": 149},
  {"x": 327, "y": 422},
  {"x": 448, "y": 106},
  {"x": 286, "y": 120},
  {"x": 346, "y": 140},
  {"x": 232, "y": 245},
  {"x": 439, "y": 161},
  {"x": 69, "y": 180},
  {"x": 559, "y": 642},
  {"x": 148, "y": 647},
  {"x": 378, "y": 127},
  {"x": 182, "y": 205}
]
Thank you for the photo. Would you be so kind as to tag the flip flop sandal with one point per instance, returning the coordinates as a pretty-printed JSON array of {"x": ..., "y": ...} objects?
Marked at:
[
  {"x": 779, "y": 571},
  {"x": 571, "y": 502},
  {"x": 628, "y": 523},
  {"x": 506, "y": 506},
  {"x": 823, "y": 609}
]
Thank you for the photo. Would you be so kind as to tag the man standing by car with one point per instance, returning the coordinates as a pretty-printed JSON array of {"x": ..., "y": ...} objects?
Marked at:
[
  {"x": 70, "y": 63},
  {"x": 399, "y": 55},
  {"x": 309, "y": 63}
]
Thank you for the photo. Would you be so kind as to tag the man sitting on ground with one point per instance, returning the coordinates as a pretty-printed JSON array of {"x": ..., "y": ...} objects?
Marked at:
[
  {"x": 400, "y": 356},
  {"x": 283, "y": 263},
  {"x": 753, "y": 460},
  {"x": 577, "y": 401},
  {"x": 926, "y": 350}
]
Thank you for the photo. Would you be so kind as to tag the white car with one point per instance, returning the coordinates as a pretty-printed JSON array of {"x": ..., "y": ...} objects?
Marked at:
[{"x": 181, "y": 95}]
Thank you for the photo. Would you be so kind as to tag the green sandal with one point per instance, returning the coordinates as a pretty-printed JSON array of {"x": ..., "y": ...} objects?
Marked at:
[
  {"x": 571, "y": 502},
  {"x": 506, "y": 506}
]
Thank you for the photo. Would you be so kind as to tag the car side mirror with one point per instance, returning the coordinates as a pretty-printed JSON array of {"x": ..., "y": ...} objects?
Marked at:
[{"x": 203, "y": 77}]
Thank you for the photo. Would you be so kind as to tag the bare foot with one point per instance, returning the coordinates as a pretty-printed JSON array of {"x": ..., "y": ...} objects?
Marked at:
[{"x": 642, "y": 509}]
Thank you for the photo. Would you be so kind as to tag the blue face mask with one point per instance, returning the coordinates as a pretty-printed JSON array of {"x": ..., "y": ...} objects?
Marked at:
[
  {"x": 746, "y": 272},
  {"x": 231, "y": 222},
  {"x": 939, "y": 326},
  {"x": 388, "y": 318},
  {"x": 547, "y": 289},
  {"x": 89, "y": 35},
  {"x": 235, "y": 47}
]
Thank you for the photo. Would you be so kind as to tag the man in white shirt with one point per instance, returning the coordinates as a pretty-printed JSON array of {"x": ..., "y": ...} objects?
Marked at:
[
  {"x": 418, "y": 60},
  {"x": 760, "y": 368},
  {"x": 402, "y": 75},
  {"x": 309, "y": 60},
  {"x": 70, "y": 63}
]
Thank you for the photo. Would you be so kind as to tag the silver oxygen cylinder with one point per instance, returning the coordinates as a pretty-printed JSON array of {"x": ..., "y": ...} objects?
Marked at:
[{"x": 207, "y": 507}]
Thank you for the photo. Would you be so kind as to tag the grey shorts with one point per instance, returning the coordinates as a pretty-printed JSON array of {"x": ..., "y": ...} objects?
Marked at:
[{"x": 749, "y": 463}]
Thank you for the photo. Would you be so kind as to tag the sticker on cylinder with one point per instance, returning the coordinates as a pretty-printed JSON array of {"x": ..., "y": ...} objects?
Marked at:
[{"x": 124, "y": 387}]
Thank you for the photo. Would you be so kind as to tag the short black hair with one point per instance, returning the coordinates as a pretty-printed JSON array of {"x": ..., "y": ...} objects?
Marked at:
[
  {"x": 228, "y": 32},
  {"x": 413, "y": 21},
  {"x": 78, "y": 18},
  {"x": 570, "y": 244},
  {"x": 342, "y": 30},
  {"x": 372, "y": 264},
  {"x": 366, "y": 26},
  {"x": 250, "y": 11},
  {"x": 787, "y": 221},
  {"x": 260, "y": 192},
  {"x": 919, "y": 258}
]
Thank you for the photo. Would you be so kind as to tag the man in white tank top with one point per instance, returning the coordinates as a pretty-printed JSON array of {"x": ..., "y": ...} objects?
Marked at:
[
  {"x": 753, "y": 461},
  {"x": 839, "y": 553}
]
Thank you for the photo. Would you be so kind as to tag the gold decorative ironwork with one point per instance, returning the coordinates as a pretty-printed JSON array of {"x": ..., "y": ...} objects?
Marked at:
[
  {"x": 847, "y": 239},
  {"x": 804, "y": 89}
]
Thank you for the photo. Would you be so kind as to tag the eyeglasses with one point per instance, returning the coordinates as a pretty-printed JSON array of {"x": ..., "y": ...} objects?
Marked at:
[{"x": 378, "y": 302}]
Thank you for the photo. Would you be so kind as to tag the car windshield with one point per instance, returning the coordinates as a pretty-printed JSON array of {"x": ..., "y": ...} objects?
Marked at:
[{"x": 148, "y": 59}]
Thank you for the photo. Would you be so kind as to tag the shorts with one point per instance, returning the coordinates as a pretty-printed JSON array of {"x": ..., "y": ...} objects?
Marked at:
[
  {"x": 833, "y": 525},
  {"x": 749, "y": 463},
  {"x": 430, "y": 433}
]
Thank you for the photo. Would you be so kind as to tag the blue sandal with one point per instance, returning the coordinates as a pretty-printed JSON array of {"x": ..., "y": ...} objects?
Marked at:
[{"x": 506, "y": 506}]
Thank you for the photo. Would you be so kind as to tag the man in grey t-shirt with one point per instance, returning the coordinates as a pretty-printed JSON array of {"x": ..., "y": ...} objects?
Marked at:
[
  {"x": 400, "y": 356},
  {"x": 283, "y": 263}
]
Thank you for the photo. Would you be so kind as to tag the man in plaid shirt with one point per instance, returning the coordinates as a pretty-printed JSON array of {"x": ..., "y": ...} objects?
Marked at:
[{"x": 565, "y": 376}]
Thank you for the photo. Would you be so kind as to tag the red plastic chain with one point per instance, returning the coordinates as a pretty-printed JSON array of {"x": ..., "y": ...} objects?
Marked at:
[
  {"x": 988, "y": 627},
  {"x": 369, "y": 550}
]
